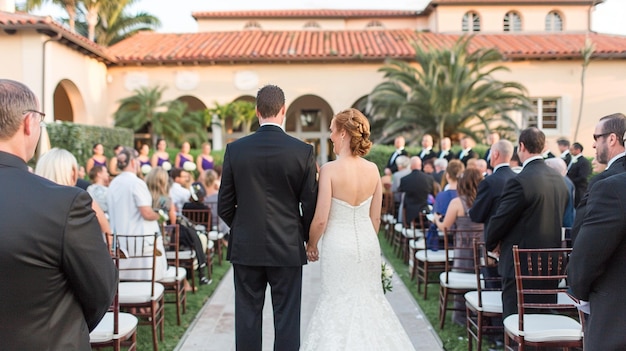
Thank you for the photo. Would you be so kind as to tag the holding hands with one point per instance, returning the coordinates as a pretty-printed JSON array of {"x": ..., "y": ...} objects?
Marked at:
[{"x": 312, "y": 254}]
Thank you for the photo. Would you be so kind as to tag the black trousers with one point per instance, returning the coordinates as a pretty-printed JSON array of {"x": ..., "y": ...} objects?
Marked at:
[{"x": 286, "y": 289}]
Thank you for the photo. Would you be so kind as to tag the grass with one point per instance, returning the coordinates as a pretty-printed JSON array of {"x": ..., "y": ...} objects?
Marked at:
[
  {"x": 453, "y": 336},
  {"x": 172, "y": 331}
]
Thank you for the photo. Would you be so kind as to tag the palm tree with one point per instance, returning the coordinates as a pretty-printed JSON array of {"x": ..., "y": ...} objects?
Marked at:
[
  {"x": 451, "y": 91},
  {"x": 245, "y": 115},
  {"x": 70, "y": 7},
  {"x": 586, "y": 53}
]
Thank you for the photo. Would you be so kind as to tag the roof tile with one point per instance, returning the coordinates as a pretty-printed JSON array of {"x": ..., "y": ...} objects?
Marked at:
[{"x": 304, "y": 13}]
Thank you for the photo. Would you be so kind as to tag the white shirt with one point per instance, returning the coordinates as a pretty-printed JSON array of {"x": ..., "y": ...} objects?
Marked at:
[
  {"x": 179, "y": 196},
  {"x": 273, "y": 124},
  {"x": 126, "y": 194},
  {"x": 614, "y": 159},
  {"x": 538, "y": 157},
  {"x": 564, "y": 154},
  {"x": 498, "y": 166},
  {"x": 425, "y": 151}
]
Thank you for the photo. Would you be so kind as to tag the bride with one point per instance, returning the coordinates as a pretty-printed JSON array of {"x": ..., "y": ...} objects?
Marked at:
[{"x": 352, "y": 312}]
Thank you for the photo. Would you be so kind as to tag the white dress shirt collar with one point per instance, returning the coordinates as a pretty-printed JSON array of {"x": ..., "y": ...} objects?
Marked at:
[
  {"x": 538, "y": 157},
  {"x": 611, "y": 161},
  {"x": 500, "y": 165},
  {"x": 273, "y": 124}
]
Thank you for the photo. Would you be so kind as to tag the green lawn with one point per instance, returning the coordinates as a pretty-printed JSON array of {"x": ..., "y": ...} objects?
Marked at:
[{"x": 173, "y": 332}]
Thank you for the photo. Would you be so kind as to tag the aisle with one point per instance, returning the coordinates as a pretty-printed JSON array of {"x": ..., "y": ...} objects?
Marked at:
[{"x": 213, "y": 328}]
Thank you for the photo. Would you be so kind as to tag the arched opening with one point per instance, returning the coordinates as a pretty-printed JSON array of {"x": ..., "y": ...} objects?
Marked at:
[
  {"x": 68, "y": 103},
  {"x": 471, "y": 22},
  {"x": 308, "y": 118}
]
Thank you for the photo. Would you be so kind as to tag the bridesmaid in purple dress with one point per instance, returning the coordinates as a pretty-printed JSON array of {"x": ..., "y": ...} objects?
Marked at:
[
  {"x": 184, "y": 155},
  {"x": 160, "y": 155},
  {"x": 204, "y": 161},
  {"x": 98, "y": 158}
]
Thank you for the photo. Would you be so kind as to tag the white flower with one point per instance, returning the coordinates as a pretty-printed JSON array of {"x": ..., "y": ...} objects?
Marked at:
[
  {"x": 166, "y": 166},
  {"x": 189, "y": 166},
  {"x": 385, "y": 277},
  {"x": 145, "y": 169}
]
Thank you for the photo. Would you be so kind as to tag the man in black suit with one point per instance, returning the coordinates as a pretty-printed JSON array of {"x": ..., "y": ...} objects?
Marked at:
[
  {"x": 416, "y": 186},
  {"x": 445, "y": 151},
  {"x": 492, "y": 138},
  {"x": 609, "y": 145},
  {"x": 578, "y": 171},
  {"x": 490, "y": 188},
  {"x": 399, "y": 143},
  {"x": 563, "y": 145},
  {"x": 427, "y": 149},
  {"x": 596, "y": 268},
  {"x": 466, "y": 152},
  {"x": 530, "y": 212},
  {"x": 267, "y": 197},
  {"x": 56, "y": 274}
]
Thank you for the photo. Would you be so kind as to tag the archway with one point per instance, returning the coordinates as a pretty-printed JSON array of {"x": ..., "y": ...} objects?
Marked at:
[
  {"x": 68, "y": 102},
  {"x": 308, "y": 118}
]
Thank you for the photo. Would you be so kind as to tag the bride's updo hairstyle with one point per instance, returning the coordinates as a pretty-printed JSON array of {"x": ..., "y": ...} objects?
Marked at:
[{"x": 357, "y": 127}]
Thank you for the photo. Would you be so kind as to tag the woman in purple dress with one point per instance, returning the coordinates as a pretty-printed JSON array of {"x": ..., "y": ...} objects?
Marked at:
[
  {"x": 204, "y": 161},
  {"x": 183, "y": 156},
  {"x": 98, "y": 158},
  {"x": 160, "y": 156}
]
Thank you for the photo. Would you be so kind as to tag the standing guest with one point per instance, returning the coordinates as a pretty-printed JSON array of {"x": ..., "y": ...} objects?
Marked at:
[
  {"x": 466, "y": 152},
  {"x": 445, "y": 152},
  {"x": 563, "y": 145},
  {"x": 492, "y": 138},
  {"x": 80, "y": 181},
  {"x": 427, "y": 148},
  {"x": 386, "y": 180},
  {"x": 183, "y": 156},
  {"x": 609, "y": 144},
  {"x": 161, "y": 158},
  {"x": 205, "y": 161},
  {"x": 97, "y": 159},
  {"x": 267, "y": 198},
  {"x": 429, "y": 167},
  {"x": 546, "y": 154},
  {"x": 179, "y": 192},
  {"x": 578, "y": 171},
  {"x": 596, "y": 267},
  {"x": 57, "y": 277},
  {"x": 403, "y": 169},
  {"x": 113, "y": 170},
  {"x": 399, "y": 143},
  {"x": 416, "y": 187},
  {"x": 99, "y": 177},
  {"x": 515, "y": 163},
  {"x": 558, "y": 165},
  {"x": 60, "y": 166},
  {"x": 440, "y": 168},
  {"x": 490, "y": 189},
  {"x": 144, "y": 159},
  {"x": 530, "y": 212},
  {"x": 481, "y": 165}
]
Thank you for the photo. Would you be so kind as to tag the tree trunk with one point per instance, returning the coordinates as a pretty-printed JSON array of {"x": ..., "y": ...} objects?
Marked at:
[{"x": 92, "y": 20}]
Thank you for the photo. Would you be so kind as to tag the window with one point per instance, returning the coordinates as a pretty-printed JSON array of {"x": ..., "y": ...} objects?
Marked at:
[
  {"x": 310, "y": 120},
  {"x": 252, "y": 25},
  {"x": 471, "y": 22},
  {"x": 374, "y": 25},
  {"x": 545, "y": 114},
  {"x": 554, "y": 22},
  {"x": 312, "y": 25},
  {"x": 512, "y": 22}
]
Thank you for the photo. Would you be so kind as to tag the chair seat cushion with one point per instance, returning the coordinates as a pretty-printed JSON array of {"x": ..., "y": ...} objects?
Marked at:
[
  {"x": 545, "y": 327},
  {"x": 433, "y": 256},
  {"x": 418, "y": 244},
  {"x": 492, "y": 301},
  {"x": 173, "y": 274},
  {"x": 457, "y": 280},
  {"x": 103, "y": 332},
  {"x": 139, "y": 292},
  {"x": 182, "y": 255}
]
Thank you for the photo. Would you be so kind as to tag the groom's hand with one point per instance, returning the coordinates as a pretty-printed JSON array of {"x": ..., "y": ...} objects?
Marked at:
[{"x": 311, "y": 252}]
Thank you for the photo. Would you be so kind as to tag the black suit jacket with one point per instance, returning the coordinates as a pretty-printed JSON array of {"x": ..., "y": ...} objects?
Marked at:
[
  {"x": 391, "y": 163},
  {"x": 578, "y": 174},
  {"x": 267, "y": 197},
  {"x": 617, "y": 167},
  {"x": 430, "y": 154},
  {"x": 467, "y": 156},
  {"x": 488, "y": 195},
  {"x": 567, "y": 158},
  {"x": 530, "y": 213},
  {"x": 449, "y": 156},
  {"x": 416, "y": 186},
  {"x": 56, "y": 274},
  {"x": 596, "y": 268}
]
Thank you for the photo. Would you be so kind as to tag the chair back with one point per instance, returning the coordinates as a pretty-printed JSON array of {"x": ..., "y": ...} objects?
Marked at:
[
  {"x": 171, "y": 242},
  {"x": 200, "y": 217},
  {"x": 483, "y": 262},
  {"x": 458, "y": 246},
  {"x": 539, "y": 277},
  {"x": 138, "y": 257}
]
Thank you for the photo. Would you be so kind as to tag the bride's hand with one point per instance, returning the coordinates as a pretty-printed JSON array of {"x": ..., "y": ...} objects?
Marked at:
[{"x": 311, "y": 252}]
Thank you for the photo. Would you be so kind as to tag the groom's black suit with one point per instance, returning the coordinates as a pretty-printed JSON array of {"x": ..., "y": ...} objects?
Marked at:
[{"x": 267, "y": 197}]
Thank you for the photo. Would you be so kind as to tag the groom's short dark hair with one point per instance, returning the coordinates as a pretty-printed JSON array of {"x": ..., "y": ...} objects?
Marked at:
[{"x": 269, "y": 100}]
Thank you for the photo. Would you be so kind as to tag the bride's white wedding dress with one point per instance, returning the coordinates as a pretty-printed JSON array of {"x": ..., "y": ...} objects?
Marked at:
[{"x": 352, "y": 312}]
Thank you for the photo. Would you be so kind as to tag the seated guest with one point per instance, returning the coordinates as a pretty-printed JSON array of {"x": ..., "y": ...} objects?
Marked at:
[
  {"x": 99, "y": 177},
  {"x": 440, "y": 168},
  {"x": 179, "y": 192},
  {"x": 212, "y": 187},
  {"x": 416, "y": 187}
]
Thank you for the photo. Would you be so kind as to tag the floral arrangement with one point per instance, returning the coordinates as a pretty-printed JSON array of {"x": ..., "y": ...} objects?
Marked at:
[
  {"x": 189, "y": 166},
  {"x": 385, "y": 277},
  {"x": 145, "y": 169},
  {"x": 166, "y": 166}
]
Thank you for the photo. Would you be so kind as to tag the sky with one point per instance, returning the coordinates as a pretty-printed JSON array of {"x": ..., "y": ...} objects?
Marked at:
[{"x": 175, "y": 15}]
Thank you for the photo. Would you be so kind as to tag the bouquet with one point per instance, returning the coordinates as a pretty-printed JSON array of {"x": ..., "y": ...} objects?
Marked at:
[{"x": 385, "y": 277}]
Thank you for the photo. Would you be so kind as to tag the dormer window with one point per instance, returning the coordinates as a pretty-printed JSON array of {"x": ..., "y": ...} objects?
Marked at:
[
  {"x": 512, "y": 22},
  {"x": 471, "y": 22},
  {"x": 251, "y": 25},
  {"x": 374, "y": 25},
  {"x": 312, "y": 25},
  {"x": 554, "y": 22}
]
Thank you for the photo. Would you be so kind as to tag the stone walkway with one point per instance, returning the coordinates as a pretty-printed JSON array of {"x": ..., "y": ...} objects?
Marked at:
[{"x": 214, "y": 327}]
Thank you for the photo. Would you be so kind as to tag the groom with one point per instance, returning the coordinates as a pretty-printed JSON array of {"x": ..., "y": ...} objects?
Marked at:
[{"x": 267, "y": 197}]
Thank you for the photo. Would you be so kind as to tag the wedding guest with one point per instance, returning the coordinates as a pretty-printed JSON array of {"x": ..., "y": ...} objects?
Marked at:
[
  {"x": 60, "y": 166},
  {"x": 597, "y": 167},
  {"x": 212, "y": 187},
  {"x": 57, "y": 279},
  {"x": 99, "y": 177},
  {"x": 563, "y": 145},
  {"x": 445, "y": 152},
  {"x": 183, "y": 156},
  {"x": 452, "y": 174},
  {"x": 205, "y": 161},
  {"x": 161, "y": 158},
  {"x": 97, "y": 158},
  {"x": 80, "y": 181},
  {"x": 466, "y": 152},
  {"x": 179, "y": 192},
  {"x": 440, "y": 168},
  {"x": 113, "y": 170},
  {"x": 386, "y": 180},
  {"x": 558, "y": 165},
  {"x": 427, "y": 149},
  {"x": 416, "y": 187},
  {"x": 492, "y": 138},
  {"x": 399, "y": 143},
  {"x": 578, "y": 171}
]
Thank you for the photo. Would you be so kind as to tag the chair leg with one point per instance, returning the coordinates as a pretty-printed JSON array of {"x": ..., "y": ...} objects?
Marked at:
[
  {"x": 443, "y": 306},
  {"x": 154, "y": 321},
  {"x": 425, "y": 280},
  {"x": 193, "y": 278},
  {"x": 178, "y": 287}
]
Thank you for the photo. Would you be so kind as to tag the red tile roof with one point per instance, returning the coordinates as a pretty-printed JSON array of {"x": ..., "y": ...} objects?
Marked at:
[
  {"x": 343, "y": 46},
  {"x": 11, "y": 22},
  {"x": 320, "y": 13},
  {"x": 516, "y": 2}
]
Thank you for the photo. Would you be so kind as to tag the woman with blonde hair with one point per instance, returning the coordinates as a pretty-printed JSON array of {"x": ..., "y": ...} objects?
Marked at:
[
  {"x": 60, "y": 166},
  {"x": 347, "y": 217},
  {"x": 205, "y": 161},
  {"x": 158, "y": 182}
]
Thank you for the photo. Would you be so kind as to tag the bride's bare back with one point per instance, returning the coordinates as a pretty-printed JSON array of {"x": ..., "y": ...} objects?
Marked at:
[{"x": 353, "y": 179}]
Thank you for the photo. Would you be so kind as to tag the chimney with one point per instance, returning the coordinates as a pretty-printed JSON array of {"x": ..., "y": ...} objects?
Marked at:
[{"x": 7, "y": 5}]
